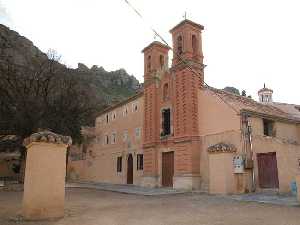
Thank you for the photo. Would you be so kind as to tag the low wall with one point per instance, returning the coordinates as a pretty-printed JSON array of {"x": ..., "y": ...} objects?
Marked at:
[{"x": 233, "y": 137}]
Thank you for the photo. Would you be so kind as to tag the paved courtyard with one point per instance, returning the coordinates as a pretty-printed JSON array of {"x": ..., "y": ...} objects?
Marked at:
[{"x": 96, "y": 207}]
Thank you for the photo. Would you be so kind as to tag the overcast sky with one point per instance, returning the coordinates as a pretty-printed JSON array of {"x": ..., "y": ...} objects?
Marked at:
[{"x": 246, "y": 43}]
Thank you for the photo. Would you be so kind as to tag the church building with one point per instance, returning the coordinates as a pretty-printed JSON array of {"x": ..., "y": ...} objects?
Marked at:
[{"x": 179, "y": 132}]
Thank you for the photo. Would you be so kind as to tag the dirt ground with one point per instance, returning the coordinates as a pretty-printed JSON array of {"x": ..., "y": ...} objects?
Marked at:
[{"x": 94, "y": 207}]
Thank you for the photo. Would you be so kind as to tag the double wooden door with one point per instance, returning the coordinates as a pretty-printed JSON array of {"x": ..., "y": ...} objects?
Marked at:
[{"x": 267, "y": 170}]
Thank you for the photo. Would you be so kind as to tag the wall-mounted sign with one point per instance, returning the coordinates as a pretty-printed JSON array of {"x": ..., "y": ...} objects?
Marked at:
[{"x": 238, "y": 164}]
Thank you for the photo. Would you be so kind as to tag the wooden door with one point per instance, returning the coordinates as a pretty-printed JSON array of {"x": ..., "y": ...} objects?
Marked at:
[
  {"x": 267, "y": 170},
  {"x": 130, "y": 169},
  {"x": 167, "y": 169}
]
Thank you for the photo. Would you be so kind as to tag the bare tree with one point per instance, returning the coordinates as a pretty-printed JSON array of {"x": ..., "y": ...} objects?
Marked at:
[{"x": 42, "y": 95}]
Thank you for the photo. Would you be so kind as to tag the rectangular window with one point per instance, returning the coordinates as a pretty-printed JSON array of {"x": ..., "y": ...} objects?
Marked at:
[
  {"x": 140, "y": 162},
  {"x": 107, "y": 118},
  {"x": 106, "y": 139},
  {"x": 113, "y": 138},
  {"x": 138, "y": 132},
  {"x": 268, "y": 127},
  {"x": 125, "y": 111},
  {"x": 166, "y": 122},
  {"x": 119, "y": 164},
  {"x": 134, "y": 107},
  {"x": 113, "y": 116}
]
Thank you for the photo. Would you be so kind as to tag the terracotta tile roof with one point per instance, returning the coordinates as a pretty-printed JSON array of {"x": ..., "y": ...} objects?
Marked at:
[
  {"x": 155, "y": 43},
  {"x": 186, "y": 21},
  {"x": 291, "y": 109},
  {"x": 241, "y": 103}
]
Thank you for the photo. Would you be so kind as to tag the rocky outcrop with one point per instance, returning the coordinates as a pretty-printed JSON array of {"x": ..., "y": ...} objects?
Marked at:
[
  {"x": 114, "y": 78},
  {"x": 107, "y": 87},
  {"x": 17, "y": 48},
  {"x": 82, "y": 67}
]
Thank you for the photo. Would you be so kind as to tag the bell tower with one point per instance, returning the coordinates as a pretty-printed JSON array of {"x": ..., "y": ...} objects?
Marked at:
[
  {"x": 155, "y": 60},
  {"x": 187, "y": 42},
  {"x": 171, "y": 118},
  {"x": 187, "y": 69}
]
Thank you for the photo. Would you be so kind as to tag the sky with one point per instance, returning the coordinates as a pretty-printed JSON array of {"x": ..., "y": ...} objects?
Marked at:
[{"x": 246, "y": 43}]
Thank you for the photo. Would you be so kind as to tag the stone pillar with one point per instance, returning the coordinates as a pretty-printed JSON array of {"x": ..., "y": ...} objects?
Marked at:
[
  {"x": 44, "y": 185},
  {"x": 221, "y": 171}
]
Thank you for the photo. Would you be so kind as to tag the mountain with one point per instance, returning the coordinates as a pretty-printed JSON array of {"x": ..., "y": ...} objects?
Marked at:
[
  {"x": 37, "y": 91},
  {"x": 107, "y": 86}
]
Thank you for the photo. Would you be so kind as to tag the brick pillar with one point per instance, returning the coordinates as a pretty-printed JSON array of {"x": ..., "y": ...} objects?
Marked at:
[{"x": 44, "y": 185}]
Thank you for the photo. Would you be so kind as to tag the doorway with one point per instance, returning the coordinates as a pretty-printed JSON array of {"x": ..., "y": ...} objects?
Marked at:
[
  {"x": 130, "y": 169},
  {"x": 167, "y": 169},
  {"x": 267, "y": 170}
]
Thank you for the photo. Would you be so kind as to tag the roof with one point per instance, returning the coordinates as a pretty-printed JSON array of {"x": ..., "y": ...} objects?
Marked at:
[
  {"x": 291, "y": 109},
  {"x": 198, "y": 26},
  {"x": 157, "y": 43},
  {"x": 281, "y": 111},
  {"x": 241, "y": 103},
  {"x": 131, "y": 98},
  {"x": 265, "y": 90}
]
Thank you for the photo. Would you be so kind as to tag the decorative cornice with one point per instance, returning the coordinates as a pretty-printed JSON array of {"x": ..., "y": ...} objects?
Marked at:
[
  {"x": 222, "y": 148},
  {"x": 48, "y": 137}
]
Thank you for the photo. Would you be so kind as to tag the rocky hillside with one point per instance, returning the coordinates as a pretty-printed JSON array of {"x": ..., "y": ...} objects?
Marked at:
[
  {"x": 107, "y": 86},
  {"x": 37, "y": 91}
]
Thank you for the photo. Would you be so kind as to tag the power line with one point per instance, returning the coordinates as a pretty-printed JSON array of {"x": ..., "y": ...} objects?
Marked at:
[{"x": 174, "y": 52}]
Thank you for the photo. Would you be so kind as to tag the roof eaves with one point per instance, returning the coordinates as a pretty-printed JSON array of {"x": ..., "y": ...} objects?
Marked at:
[
  {"x": 270, "y": 116},
  {"x": 131, "y": 98}
]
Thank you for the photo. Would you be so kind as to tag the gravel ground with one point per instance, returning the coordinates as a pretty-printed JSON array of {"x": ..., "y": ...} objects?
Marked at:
[{"x": 94, "y": 207}]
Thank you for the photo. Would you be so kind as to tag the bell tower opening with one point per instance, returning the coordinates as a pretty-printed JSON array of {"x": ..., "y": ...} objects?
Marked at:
[
  {"x": 179, "y": 45},
  {"x": 161, "y": 61},
  {"x": 149, "y": 63},
  {"x": 194, "y": 44}
]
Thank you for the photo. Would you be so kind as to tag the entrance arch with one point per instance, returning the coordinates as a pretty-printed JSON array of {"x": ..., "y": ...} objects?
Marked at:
[{"x": 130, "y": 169}]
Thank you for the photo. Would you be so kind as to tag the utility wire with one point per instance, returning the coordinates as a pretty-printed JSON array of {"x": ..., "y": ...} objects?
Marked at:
[{"x": 174, "y": 52}]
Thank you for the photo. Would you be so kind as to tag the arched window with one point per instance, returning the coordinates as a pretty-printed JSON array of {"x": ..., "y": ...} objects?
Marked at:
[
  {"x": 179, "y": 45},
  {"x": 149, "y": 63},
  {"x": 194, "y": 44},
  {"x": 165, "y": 91},
  {"x": 161, "y": 61}
]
